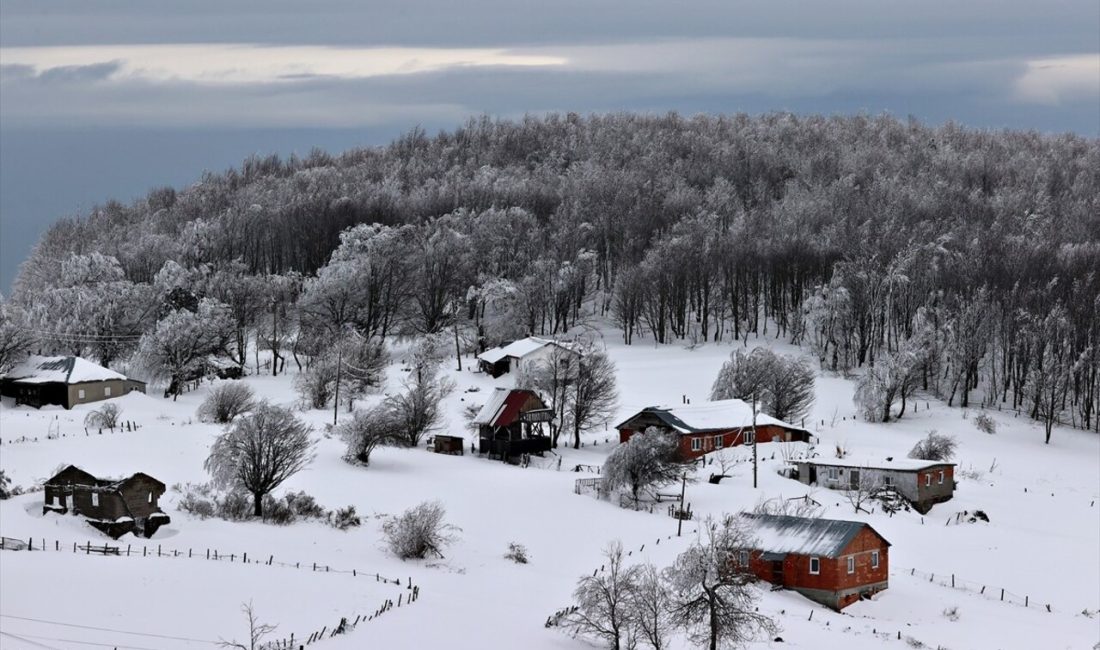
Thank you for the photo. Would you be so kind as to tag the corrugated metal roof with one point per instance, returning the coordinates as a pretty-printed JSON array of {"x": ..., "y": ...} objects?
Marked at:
[
  {"x": 504, "y": 407},
  {"x": 803, "y": 535},
  {"x": 897, "y": 464}
]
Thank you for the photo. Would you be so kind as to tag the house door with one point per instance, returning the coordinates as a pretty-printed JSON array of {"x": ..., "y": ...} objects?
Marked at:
[
  {"x": 853, "y": 478},
  {"x": 813, "y": 475},
  {"x": 777, "y": 572}
]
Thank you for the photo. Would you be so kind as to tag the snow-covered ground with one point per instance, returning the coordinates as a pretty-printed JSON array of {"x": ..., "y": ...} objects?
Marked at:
[{"x": 1042, "y": 541}]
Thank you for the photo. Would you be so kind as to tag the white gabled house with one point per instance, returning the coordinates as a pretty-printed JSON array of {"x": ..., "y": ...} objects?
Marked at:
[{"x": 519, "y": 356}]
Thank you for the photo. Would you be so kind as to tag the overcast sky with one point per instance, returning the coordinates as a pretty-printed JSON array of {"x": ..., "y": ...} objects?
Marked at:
[{"x": 107, "y": 99}]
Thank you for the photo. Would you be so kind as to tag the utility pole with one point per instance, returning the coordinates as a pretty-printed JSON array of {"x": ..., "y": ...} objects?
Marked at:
[
  {"x": 754, "y": 458},
  {"x": 680, "y": 515},
  {"x": 339, "y": 371}
]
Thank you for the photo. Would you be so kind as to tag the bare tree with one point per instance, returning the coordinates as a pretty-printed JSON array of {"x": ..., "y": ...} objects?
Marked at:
[
  {"x": 554, "y": 377},
  {"x": 260, "y": 451},
  {"x": 648, "y": 460},
  {"x": 416, "y": 411},
  {"x": 604, "y": 601},
  {"x": 650, "y": 607},
  {"x": 226, "y": 401},
  {"x": 368, "y": 430},
  {"x": 256, "y": 631},
  {"x": 419, "y": 531},
  {"x": 105, "y": 417},
  {"x": 934, "y": 446},
  {"x": 713, "y": 598},
  {"x": 866, "y": 488},
  {"x": 593, "y": 396},
  {"x": 15, "y": 338}
]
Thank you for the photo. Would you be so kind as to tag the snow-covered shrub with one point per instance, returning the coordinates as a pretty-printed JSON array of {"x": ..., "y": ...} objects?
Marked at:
[
  {"x": 344, "y": 518},
  {"x": 5, "y": 482},
  {"x": 316, "y": 384},
  {"x": 234, "y": 506},
  {"x": 934, "y": 447},
  {"x": 106, "y": 417},
  {"x": 278, "y": 511},
  {"x": 226, "y": 401},
  {"x": 797, "y": 507},
  {"x": 304, "y": 505},
  {"x": 367, "y": 430},
  {"x": 985, "y": 423},
  {"x": 419, "y": 531},
  {"x": 517, "y": 553}
]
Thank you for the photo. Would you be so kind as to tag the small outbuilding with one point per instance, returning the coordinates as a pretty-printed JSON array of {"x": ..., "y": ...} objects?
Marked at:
[
  {"x": 511, "y": 424},
  {"x": 112, "y": 506},
  {"x": 710, "y": 426},
  {"x": 923, "y": 483},
  {"x": 521, "y": 355},
  {"x": 65, "y": 381},
  {"x": 830, "y": 561}
]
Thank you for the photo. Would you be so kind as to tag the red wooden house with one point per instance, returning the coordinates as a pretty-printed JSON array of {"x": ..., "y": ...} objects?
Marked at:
[
  {"x": 829, "y": 561},
  {"x": 510, "y": 424},
  {"x": 710, "y": 426}
]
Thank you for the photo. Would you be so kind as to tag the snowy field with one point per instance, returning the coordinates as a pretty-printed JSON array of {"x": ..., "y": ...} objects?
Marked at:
[{"x": 1042, "y": 542}]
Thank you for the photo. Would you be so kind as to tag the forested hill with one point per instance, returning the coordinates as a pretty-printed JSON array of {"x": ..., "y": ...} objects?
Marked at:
[{"x": 965, "y": 258}]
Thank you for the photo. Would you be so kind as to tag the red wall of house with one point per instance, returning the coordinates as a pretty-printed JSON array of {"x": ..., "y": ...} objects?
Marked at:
[{"x": 731, "y": 438}]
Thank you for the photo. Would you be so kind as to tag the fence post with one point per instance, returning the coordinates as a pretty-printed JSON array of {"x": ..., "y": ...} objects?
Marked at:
[
  {"x": 1002, "y": 595},
  {"x": 952, "y": 580},
  {"x": 244, "y": 558}
]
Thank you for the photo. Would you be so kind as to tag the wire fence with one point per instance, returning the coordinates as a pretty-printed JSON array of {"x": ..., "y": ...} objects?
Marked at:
[
  {"x": 55, "y": 433},
  {"x": 990, "y": 592},
  {"x": 409, "y": 594}
]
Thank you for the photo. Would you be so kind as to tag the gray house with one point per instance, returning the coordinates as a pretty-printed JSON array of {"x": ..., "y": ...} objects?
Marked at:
[
  {"x": 65, "y": 381},
  {"x": 923, "y": 483}
]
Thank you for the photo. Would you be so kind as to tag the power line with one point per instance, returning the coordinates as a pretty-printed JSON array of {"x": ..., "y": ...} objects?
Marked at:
[
  {"x": 34, "y": 643},
  {"x": 107, "y": 629},
  {"x": 92, "y": 643}
]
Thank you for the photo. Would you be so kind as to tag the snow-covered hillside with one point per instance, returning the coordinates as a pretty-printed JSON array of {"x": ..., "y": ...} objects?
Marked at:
[{"x": 1042, "y": 542}]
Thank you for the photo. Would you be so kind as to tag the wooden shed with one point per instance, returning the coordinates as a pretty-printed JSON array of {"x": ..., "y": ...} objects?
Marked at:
[
  {"x": 710, "y": 426},
  {"x": 511, "y": 424},
  {"x": 113, "y": 506},
  {"x": 830, "y": 561},
  {"x": 65, "y": 381},
  {"x": 923, "y": 483}
]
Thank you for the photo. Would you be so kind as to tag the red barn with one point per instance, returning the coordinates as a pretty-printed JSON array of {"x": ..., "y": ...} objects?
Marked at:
[
  {"x": 707, "y": 427},
  {"x": 830, "y": 561}
]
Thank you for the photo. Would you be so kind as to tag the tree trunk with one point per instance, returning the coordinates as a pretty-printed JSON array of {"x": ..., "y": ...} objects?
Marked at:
[{"x": 258, "y": 504}]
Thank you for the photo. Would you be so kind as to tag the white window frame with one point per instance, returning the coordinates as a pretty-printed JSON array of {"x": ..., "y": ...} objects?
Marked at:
[
  {"x": 80, "y": 393},
  {"x": 95, "y": 499},
  {"x": 150, "y": 497},
  {"x": 697, "y": 444},
  {"x": 874, "y": 559},
  {"x": 815, "y": 562},
  {"x": 718, "y": 442},
  {"x": 851, "y": 564},
  {"x": 832, "y": 473},
  {"x": 928, "y": 479},
  {"x": 106, "y": 391},
  {"x": 941, "y": 476},
  {"x": 750, "y": 437}
]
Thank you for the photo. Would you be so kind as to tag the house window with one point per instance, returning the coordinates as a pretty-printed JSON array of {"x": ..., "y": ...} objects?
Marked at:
[
  {"x": 834, "y": 474},
  {"x": 696, "y": 444},
  {"x": 941, "y": 477},
  {"x": 95, "y": 499},
  {"x": 874, "y": 559},
  {"x": 80, "y": 393},
  {"x": 750, "y": 437},
  {"x": 851, "y": 565},
  {"x": 106, "y": 391},
  {"x": 744, "y": 558},
  {"x": 718, "y": 444},
  {"x": 927, "y": 480},
  {"x": 815, "y": 566},
  {"x": 888, "y": 481}
]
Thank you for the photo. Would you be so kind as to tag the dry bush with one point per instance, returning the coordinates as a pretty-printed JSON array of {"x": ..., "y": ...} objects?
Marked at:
[{"x": 418, "y": 531}]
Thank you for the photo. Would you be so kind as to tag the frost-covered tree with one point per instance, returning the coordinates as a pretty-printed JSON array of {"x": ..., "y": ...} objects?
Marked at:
[
  {"x": 259, "y": 452},
  {"x": 713, "y": 598},
  {"x": 782, "y": 385},
  {"x": 651, "y": 607},
  {"x": 498, "y": 311},
  {"x": 179, "y": 345},
  {"x": 892, "y": 377},
  {"x": 934, "y": 446},
  {"x": 367, "y": 430},
  {"x": 16, "y": 339},
  {"x": 226, "y": 401},
  {"x": 420, "y": 530},
  {"x": 603, "y": 601},
  {"x": 648, "y": 460},
  {"x": 417, "y": 411},
  {"x": 554, "y": 378},
  {"x": 105, "y": 417},
  {"x": 593, "y": 396},
  {"x": 243, "y": 294}
]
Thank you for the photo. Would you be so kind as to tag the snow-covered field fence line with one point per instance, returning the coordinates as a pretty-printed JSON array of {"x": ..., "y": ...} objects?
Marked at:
[
  {"x": 952, "y": 581},
  {"x": 408, "y": 595},
  {"x": 127, "y": 426}
]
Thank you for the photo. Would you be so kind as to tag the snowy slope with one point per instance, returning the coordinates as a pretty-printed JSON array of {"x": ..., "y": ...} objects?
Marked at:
[{"x": 1041, "y": 542}]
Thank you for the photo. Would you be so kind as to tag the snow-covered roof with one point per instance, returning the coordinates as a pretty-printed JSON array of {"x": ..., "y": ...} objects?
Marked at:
[
  {"x": 65, "y": 370},
  {"x": 803, "y": 535},
  {"x": 488, "y": 413},
  {"x": 719, "y": 415},
  {"x": 897, "y": 464},
  {"x": 518, "y": 349}
]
